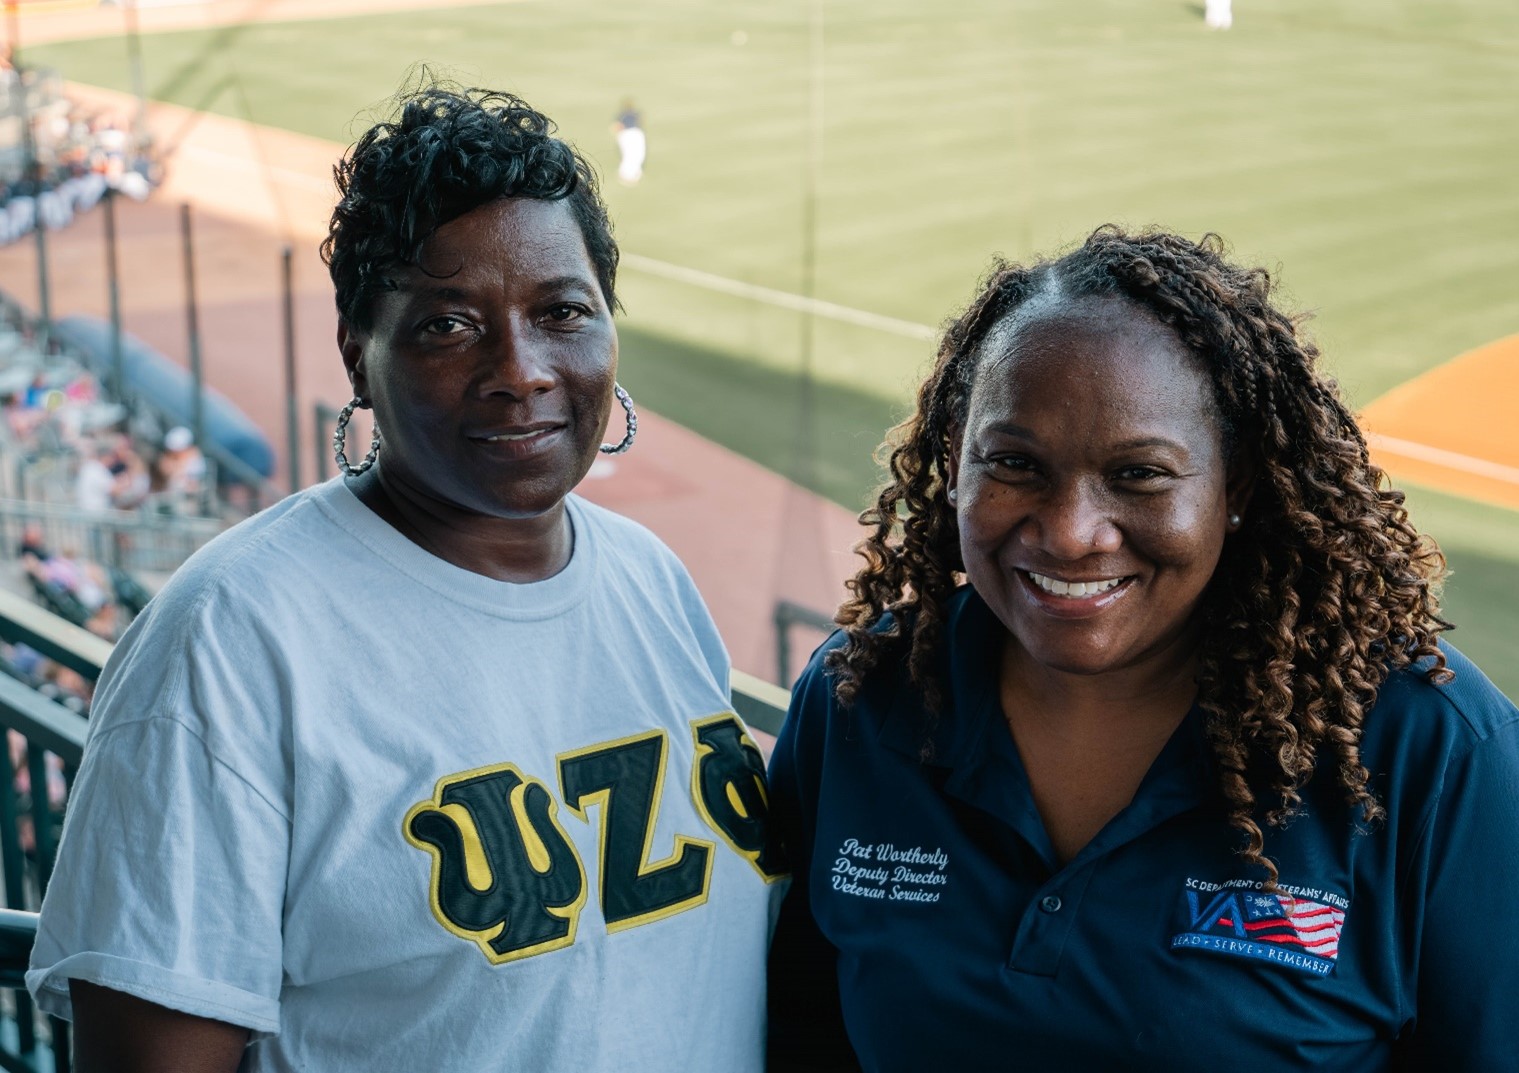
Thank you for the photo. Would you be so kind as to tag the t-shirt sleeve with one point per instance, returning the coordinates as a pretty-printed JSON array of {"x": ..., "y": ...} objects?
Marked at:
[
  {"x": 714, "y": 652},
  {"x": 171, "y": 872},
  {"x": 1463, "y": 895},
  {"x": 806, "y": 1029},
  {"x": 694, "y": 614},
  {"x": 169, "y": 884}
]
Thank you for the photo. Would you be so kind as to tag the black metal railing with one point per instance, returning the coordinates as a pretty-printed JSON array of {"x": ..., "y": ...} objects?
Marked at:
[
  {"x": 135, "y": 540},
  {"x": 789, "y": 615},
  {"x": 45, "y": 744}
]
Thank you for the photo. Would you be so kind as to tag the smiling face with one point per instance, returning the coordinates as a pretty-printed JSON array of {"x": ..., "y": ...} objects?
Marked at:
[
  {"x": 490, "y": 366},
  {"x": 1092, "y": 489}
]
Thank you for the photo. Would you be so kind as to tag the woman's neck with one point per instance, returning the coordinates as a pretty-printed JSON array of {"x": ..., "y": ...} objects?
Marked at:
[
  {"x": 519, "y": 550},
  {"x": 1086, "y": 741},
  {"x": 1160, "y": 690}
]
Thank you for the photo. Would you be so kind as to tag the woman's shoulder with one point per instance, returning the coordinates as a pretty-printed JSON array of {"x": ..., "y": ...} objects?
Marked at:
[
  {"x": 617, "y": 530},
  {"x": 964, "y": 628},
  {"x": 629, "y": 544},
  {"x": 211, "y": 650},
  {"x": 250, "y": 561},
  {"x": 244, "y": 589},
  {"x": 1468, "y": 702},
  {"x": 1428, "y": 724},
  {"x": 635, "y": 564}
]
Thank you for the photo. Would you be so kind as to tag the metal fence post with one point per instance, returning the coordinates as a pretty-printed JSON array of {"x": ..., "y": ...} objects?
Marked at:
[
  {"x": 788, "y": 614},
  {"x": 34, "y": 172},
  {"x": 14, "y": 866},
  {"x": 113, "y": 289},
  {"x": 192, "y": 327},
  {"x": 782, "y": 646},
  {"x": 322, "y": 415},
  {"x": 292, "y": 410}
]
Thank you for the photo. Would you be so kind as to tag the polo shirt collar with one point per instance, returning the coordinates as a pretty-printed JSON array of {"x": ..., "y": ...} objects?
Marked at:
[
  {"x": 967, "y": 671},
  {"x": 971, "y": 743}
]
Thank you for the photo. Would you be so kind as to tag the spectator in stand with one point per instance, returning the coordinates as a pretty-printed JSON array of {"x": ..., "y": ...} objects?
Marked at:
[
  {"x": 78, "y": 160},
  {"x": 112, "y": 143},
  {"x": 95, "y": 484},
  {"x": 133, "y": 482},
  {"x": 23, "y": 420},
  {"x": 38, "y": 390},
  {"x": 181, "y": 470},
  {"x": 82, "y": 586},
  {"x": 33, "y": 542},
  {"x": 112, "y": 476}
]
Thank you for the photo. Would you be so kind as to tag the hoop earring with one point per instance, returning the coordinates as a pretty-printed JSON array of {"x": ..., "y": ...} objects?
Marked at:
[
  {"x": 340, "y": 433},
  {"x": 632, "y": 419}
]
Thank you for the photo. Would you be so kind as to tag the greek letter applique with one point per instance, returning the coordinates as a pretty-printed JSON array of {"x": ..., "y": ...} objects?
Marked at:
[
  {"x": 626, "y": 778},
  {"x": 504, "y": 873},
  {"x": 728, "y": 786},
  {"x": 507, "y": 877}
]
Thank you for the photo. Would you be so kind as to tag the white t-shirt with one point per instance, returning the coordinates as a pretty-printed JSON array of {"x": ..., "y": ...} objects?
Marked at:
[
  {"x": 390, "y": 814},
  {"x": 92, "y": 488}
]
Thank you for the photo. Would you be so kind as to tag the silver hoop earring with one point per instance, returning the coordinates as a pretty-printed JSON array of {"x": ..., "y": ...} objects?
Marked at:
[
  {"x": 340, "y": 433},
  {"x": 632, "y": 418}
]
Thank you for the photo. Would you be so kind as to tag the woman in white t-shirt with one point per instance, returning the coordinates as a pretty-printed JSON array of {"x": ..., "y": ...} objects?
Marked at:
[{"x": 432, "y": 766}]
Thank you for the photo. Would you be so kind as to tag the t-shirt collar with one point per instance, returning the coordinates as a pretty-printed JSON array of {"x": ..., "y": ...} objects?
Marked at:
[{"x": 535, "y": 600}]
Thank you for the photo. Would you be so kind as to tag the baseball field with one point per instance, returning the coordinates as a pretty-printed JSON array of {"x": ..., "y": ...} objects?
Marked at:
[{"x": 826, "y": 181}]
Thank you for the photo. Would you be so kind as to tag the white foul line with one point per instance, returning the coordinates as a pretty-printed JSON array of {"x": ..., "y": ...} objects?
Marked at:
[
  {"x": 1422, "y": 452},
  {"x": 1480, "y": 467},
  {"x": 784, "y": 299},
  {"x": 694, "y": 276}
]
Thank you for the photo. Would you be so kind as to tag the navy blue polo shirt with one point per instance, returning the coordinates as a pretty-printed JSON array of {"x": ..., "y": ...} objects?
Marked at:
[{"x": 930, "y": 918}]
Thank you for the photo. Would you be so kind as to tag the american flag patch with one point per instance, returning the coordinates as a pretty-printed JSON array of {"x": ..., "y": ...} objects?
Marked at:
[{"x": 1296, "y": 932}]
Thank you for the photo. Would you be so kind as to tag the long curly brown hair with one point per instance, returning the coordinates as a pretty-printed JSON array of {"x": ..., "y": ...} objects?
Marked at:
[{"x": 1325, "y": 590}]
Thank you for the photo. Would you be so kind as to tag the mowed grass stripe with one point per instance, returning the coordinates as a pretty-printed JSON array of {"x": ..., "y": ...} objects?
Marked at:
[{"x": 1047, "y": 68}]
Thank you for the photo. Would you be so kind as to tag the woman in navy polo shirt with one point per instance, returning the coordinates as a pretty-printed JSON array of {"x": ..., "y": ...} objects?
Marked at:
[{"x": 1138, "y": 748}]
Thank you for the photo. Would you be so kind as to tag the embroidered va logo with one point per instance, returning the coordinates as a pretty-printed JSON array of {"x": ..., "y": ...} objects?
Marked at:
[{"x": 1294, "y": 932}]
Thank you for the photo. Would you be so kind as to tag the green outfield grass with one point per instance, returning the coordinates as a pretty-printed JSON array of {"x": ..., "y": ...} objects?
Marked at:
[{"x": 1370, "y": 148}]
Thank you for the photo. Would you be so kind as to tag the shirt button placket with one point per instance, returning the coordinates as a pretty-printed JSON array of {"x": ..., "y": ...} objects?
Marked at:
[{"x": 1048, "y": 920}]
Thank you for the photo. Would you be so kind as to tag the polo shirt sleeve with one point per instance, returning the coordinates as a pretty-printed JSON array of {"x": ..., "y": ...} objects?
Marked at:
[
  {"x": 1463, "y": 890},
  {"x": 806, "y": 1023}
]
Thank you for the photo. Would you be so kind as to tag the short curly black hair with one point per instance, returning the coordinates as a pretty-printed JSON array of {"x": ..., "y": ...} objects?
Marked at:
[{"x": 446, "y": 152}]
